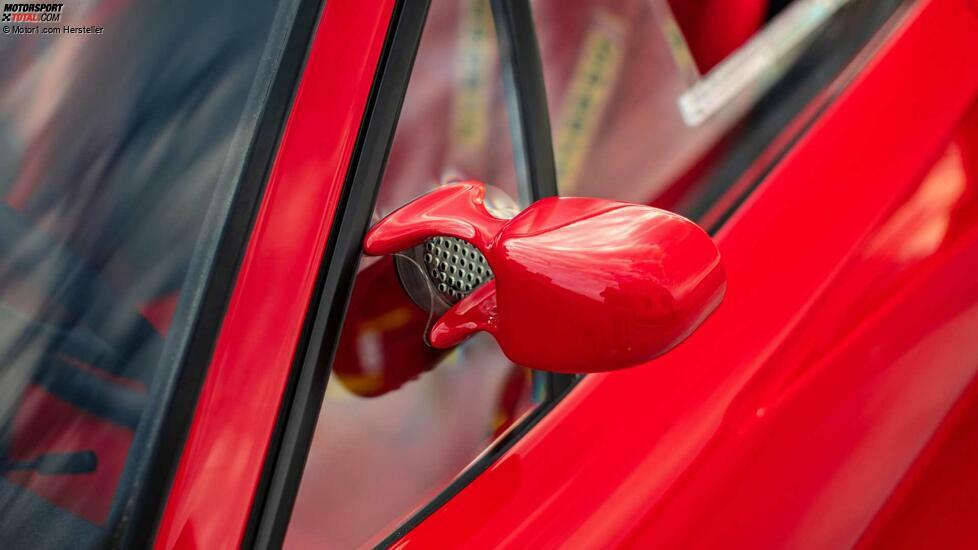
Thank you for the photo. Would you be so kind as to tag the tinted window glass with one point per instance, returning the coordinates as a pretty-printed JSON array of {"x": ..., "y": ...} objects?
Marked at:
[{"x": 122, "y": 150}]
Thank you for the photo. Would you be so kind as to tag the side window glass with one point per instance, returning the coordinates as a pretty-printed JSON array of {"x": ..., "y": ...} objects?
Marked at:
[
  {"x": 123, "y": 157},
  {"x": 401, "y": 420},
  {"x": 676, "y": 102}
]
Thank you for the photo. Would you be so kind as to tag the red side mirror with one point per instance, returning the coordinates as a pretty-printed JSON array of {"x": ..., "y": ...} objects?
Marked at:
[{"x": 581, "y": 284}]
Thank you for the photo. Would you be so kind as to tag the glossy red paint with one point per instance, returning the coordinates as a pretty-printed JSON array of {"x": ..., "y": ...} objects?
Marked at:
[
  {"x": 805, "y": 412},
  {"x": 581, "y": 284},
  {"x": 211, "y": 496}
]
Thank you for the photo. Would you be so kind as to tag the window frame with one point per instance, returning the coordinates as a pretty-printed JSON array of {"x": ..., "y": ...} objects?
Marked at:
[
  {"x": 312, "y": 365},
  {"x": 529, "y": 123}
]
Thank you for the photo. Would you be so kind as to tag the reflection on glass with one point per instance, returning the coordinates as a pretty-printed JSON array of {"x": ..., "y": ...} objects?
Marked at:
[
  {"x": 120, "y": 153},
  {"x": 400, "y": 419}
]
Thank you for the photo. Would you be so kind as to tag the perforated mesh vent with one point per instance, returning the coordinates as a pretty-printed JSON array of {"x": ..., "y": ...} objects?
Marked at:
[{"x": 455, "y": 267}]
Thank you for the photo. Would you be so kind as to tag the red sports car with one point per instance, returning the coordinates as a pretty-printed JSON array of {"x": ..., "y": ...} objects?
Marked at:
[{"x": 489, "y": 273}]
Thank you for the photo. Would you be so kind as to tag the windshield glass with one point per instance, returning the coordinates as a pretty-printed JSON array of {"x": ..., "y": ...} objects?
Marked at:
[{"x": 124, "y": 129}]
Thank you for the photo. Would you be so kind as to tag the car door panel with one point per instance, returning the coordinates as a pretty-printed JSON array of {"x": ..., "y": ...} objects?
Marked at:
[{"x": 793, "y": 415}]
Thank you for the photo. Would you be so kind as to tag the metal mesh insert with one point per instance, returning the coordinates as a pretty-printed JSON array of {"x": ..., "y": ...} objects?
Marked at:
[{"x": 455, "y": 267}]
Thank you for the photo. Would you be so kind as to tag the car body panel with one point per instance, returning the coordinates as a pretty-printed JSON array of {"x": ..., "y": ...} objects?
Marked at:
[
  {"x": 211, "y": 497},
  {"x": 829, "y": 400},
  {"x": 798, "y": 413}
]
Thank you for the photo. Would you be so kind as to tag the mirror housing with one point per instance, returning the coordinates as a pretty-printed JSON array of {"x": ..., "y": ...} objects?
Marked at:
[{"x": 581, "y": 284}]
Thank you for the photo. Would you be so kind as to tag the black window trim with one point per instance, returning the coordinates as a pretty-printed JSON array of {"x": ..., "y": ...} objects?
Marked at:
[
  {"x": 141, "y": 523},
  {"x": 529, "y": 119},
  {"x": 302, "y": 402}
]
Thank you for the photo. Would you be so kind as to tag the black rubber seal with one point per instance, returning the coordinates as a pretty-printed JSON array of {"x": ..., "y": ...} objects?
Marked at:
[
  {"x": 143, "y": 520},
  {"x": 307, "y": 385},
  {"x": 529, "y": 117}
]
